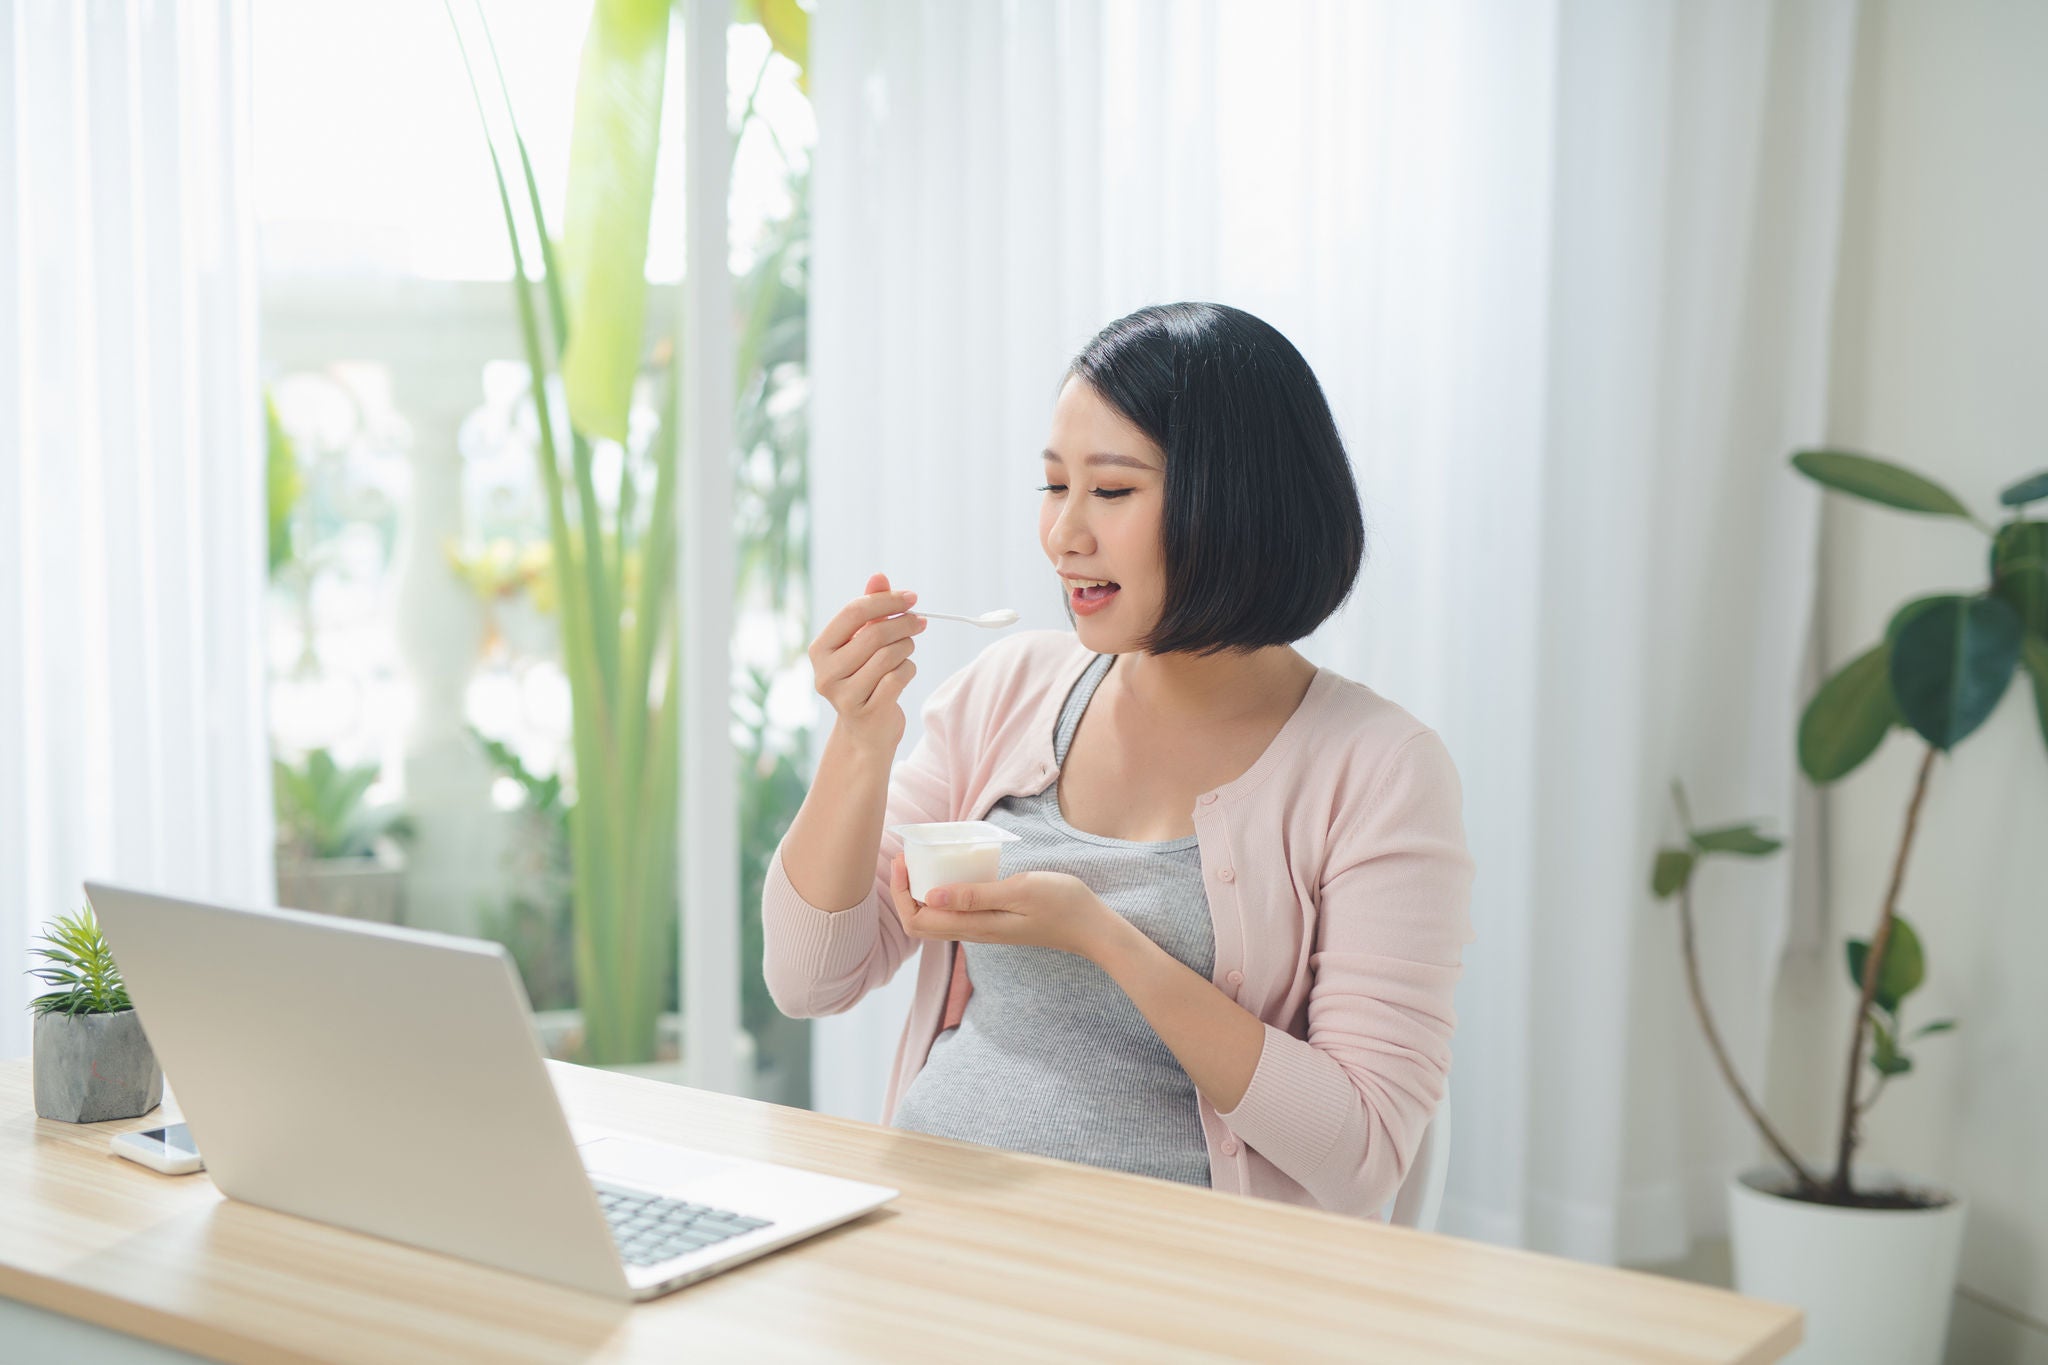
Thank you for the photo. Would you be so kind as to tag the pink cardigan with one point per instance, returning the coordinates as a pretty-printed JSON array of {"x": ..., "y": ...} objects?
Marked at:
[{"x": 1338, "y": 883}]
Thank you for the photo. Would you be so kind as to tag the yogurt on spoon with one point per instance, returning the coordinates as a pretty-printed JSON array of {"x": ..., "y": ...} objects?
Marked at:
[{"x": 988, "y": 620}]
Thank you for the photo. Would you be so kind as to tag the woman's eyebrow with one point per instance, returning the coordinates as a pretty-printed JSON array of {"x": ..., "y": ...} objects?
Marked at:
[{"x": 1105, "y": 457}]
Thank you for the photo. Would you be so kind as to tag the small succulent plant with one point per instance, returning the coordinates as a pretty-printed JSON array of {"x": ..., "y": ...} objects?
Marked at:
[{"x": 81, "y": 966}]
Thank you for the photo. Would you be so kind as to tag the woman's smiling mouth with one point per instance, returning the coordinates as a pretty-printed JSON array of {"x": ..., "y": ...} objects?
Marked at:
[{"x": 1088, "y": 595}]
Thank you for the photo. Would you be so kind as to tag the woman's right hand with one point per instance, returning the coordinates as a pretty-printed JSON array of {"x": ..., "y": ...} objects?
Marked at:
[{"x": 861, "y": 663}]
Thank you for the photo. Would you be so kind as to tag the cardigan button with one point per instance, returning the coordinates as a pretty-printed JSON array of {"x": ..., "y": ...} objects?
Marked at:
[
  {"x": 1230, "y": 1147},
  {"x": 1208, "y": 798},
  {"x": 1234, "y": 977},
  {"x": 1227, "y": 875}
]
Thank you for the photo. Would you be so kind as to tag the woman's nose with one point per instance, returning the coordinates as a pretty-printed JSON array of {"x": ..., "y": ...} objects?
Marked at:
[{"x": 1070, "y": 534}]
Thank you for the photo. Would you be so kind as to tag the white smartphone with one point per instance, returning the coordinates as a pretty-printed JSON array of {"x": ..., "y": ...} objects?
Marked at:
[{"x": 169, "y": 1150}]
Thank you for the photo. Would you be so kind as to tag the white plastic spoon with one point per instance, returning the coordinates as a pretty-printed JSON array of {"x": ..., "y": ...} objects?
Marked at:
[{"x": 988, "y": 620}]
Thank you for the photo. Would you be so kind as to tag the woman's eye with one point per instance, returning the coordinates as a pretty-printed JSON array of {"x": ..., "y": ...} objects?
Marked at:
[{"x": 1099, "y": 492}]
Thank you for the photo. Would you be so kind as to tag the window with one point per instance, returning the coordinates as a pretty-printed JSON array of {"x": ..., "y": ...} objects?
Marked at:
[{"x": 420, "y": 712}]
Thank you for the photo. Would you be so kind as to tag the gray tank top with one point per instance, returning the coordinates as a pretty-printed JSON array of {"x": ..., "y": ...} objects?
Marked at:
[{"x": 1051, "y": 1056}]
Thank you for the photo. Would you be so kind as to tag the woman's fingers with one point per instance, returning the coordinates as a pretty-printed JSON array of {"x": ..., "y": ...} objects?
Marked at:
[
  {"x": 899, "y": 891},
  {"x": 854, "y": 655},
  {"x": 848, "y": 676},
  {"x": 863, "y": 654},
  {"x": 850, "y": 618},
  {"x": 918, "y": 921},
  {"x": 958, "y": 926},
  {"x": 890, "y": 689},
  {"x": 976, "y": 912},
  {"x": 859, "y": 689}
]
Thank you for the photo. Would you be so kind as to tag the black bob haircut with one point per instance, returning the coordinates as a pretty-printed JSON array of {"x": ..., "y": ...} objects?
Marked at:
[{"x": 1263, "y": 536}]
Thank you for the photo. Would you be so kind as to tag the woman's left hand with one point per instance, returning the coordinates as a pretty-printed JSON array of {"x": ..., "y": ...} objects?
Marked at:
[{"x": 1033, "y": 909}]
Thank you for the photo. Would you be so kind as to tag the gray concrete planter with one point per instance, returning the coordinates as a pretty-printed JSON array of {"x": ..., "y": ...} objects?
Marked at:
[
  {"x": 371, "y": 888},
  {"x": 94, "y": 1067}
]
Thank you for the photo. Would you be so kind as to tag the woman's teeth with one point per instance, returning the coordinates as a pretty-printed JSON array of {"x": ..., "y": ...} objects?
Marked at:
[{"x": 1089, "y": 595}]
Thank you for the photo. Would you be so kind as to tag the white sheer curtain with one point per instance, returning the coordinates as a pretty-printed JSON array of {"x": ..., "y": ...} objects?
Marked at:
[
  {"x": 1564, "y": 271},
  {"x": 131, "y": 466},
  {"x": 1699, "y": 168}
]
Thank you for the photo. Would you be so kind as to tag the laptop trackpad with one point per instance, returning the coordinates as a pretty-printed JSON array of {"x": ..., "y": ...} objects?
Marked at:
[{"x": 650, "y": 1164}]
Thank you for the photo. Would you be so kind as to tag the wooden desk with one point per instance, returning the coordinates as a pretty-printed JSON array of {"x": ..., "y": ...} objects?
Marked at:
[{"x": 986, "y": 1255}]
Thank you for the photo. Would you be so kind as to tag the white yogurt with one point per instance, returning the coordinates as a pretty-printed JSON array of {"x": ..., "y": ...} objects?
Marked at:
[{"x": 951, "y": 852}]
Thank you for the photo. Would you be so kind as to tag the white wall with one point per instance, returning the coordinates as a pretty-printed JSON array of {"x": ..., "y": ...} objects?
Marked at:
[{"x": 1941, "y": 361}]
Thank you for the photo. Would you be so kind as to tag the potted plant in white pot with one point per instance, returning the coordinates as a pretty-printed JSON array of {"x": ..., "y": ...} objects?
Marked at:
[
  {"x": 1871, "y": 1260},
  {"x": 92, "y": 1060}
]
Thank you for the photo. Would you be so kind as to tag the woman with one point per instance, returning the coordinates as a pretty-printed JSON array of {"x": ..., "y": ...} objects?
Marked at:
[{"x": 1226, "y": 943}]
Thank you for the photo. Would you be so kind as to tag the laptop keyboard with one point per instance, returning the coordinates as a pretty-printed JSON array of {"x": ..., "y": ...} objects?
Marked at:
[{"x": 650, "y": 1228}]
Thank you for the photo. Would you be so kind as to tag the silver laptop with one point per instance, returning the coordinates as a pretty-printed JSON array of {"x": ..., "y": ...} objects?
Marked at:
[{"x": 391, "y": 1081}]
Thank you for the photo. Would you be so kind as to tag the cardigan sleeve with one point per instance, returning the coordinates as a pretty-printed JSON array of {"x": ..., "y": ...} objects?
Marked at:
[
  {"x": 818, "y": 962},
  {"x": 1342, "y": 1112}
]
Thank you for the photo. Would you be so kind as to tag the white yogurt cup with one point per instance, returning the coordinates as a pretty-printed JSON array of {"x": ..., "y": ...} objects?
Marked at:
[{"x": 952, "y": 851}]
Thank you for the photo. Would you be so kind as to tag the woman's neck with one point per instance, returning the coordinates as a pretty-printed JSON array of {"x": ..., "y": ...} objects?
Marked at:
[{"x": 1214, "y": 687}]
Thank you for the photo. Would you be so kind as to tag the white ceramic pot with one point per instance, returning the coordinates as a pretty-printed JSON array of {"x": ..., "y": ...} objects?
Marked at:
[{"x": 1875, "y": 1284}]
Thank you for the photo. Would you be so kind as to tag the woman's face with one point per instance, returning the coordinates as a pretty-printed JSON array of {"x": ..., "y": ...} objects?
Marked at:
[{"x": 1100, "y": 520}]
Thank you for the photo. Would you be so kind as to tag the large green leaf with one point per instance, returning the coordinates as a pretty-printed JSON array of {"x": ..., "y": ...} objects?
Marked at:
[
  {"x": 1903, "y": 969},
  {"x": 1849, "y": 717},
  {"x": 2019, "y": 571},
  {"x": 2030, "y": 489},
  {"x": 612, "y": 149},
  {"x": 1742, "y": 839},
  {"x": 1674, "y": 866},
  {"x": 1951, "y": 664},
  {"x": 621, "y": 825},
  {"x": 1878, "y": 481},
  {"x": 2034, "y": 651},
  {"x": 1909, "y": 611}
]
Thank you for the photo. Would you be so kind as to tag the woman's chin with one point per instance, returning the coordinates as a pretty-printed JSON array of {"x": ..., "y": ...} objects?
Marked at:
[
  {"x": 1103, "y": 637},
  {"x": 1109, "y": 628}
]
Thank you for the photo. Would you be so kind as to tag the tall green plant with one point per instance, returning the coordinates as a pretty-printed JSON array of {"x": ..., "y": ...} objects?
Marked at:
[
  {"x": 1946, "y": 661},
  {"x": 1943, "y": 664},
  {"x": 1905, "y": 967},
  {"x": 619, "y": 631}
]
